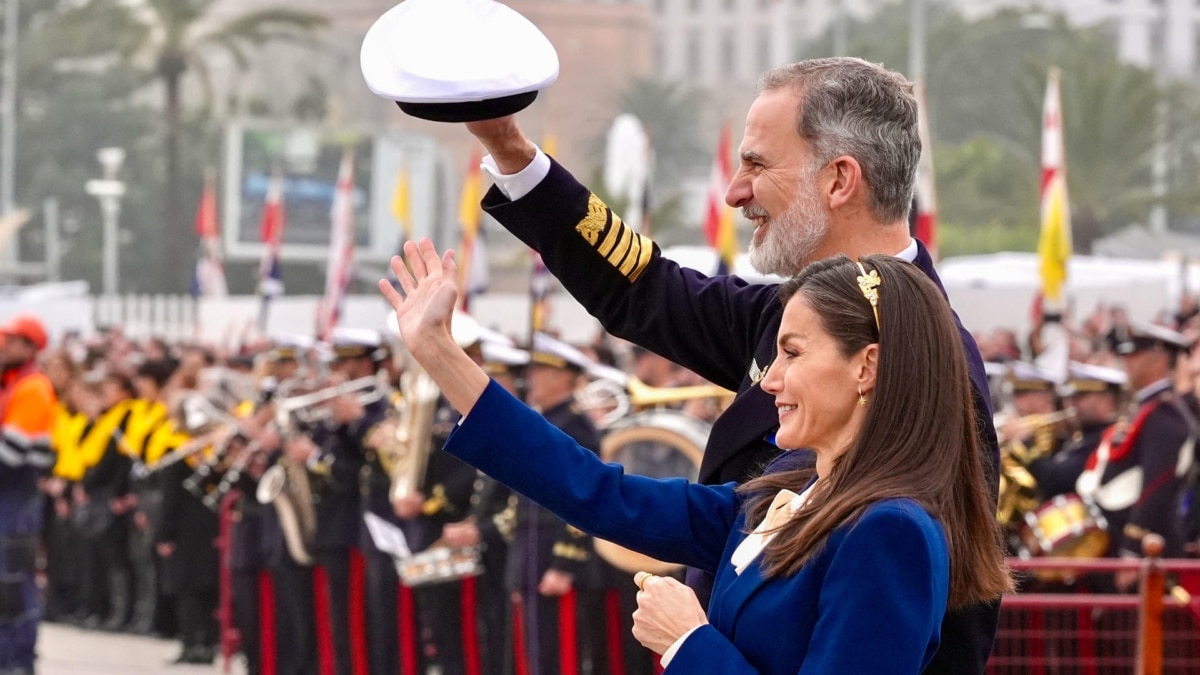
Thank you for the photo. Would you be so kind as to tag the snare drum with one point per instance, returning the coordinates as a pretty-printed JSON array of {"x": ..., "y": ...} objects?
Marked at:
[
  {"x": 438, "y": 565},
  {"x": 1067, "y": 526}
]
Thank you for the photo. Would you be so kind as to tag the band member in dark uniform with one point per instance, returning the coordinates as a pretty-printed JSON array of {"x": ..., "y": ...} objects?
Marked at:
[
  {"x": 443, "y": 496},
  {"x": 190, "y": 562},
  {"x": 1094, "y": 393},
  {"x": 334, "y": 455},
  {"x": 489, "y": 526},
  {"x": 295, "y": 648},
  {"x": 552, "y": 566},
  {"x": 1029, "y": 428},
  {"x": 1135, "y": 473}
]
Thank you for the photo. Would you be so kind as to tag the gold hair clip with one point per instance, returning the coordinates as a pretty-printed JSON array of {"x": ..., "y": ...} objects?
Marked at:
[{"x": 869, "y": 285}]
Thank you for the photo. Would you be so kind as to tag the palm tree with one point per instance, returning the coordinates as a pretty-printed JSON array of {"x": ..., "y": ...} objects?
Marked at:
[{"x": 178, "y": 37}]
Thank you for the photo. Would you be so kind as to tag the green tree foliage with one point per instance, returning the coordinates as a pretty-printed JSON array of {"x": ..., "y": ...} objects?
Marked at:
[
  {"x": 985, "y": 85},
  {"x": 178, "y": 37}
]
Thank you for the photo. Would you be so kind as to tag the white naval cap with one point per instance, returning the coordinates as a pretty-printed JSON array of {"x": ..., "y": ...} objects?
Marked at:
[
  {"x": 348, "y": 343},
  {"x": 286, "y": 346},
  {"x": 1142, "y": 335},
  {"x": 549, "y": 351},
  {"x": 499, "y": 357},
  {"x": 1087, "y": 378},
  {"x": 457, "y": 60},
  {"x": 1026, "y": 377}
]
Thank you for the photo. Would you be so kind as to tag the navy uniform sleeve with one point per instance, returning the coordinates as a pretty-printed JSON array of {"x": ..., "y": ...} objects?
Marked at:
[{"x": 621, "y": 278}]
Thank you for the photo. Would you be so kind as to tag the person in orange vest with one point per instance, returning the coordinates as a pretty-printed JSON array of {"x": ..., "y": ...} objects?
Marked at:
[{"x": 27, "y": 409}]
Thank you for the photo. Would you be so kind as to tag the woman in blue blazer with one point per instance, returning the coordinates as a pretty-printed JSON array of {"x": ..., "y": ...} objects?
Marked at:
[{"x": 844, "y": 569}]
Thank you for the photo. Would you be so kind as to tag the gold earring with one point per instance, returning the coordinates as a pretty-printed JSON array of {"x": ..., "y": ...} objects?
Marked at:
[{"x": 862, "y": 400}]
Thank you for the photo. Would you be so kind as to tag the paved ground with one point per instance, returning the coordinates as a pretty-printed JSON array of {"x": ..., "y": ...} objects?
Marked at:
[{"x": 64, "y": 650}]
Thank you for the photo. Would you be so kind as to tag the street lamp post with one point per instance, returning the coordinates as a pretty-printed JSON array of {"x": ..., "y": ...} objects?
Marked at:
[{"x": 108, "y": 191}]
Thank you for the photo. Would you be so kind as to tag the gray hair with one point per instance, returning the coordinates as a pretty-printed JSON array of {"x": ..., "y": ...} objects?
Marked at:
[{"x": 851, "y": 107}]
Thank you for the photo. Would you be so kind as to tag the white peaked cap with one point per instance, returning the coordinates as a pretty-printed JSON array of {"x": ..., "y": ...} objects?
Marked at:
[{"x": 457, "y": 52}]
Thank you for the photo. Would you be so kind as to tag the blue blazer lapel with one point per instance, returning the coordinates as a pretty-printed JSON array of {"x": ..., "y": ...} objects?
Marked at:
[{"x": 732, "y": 591}]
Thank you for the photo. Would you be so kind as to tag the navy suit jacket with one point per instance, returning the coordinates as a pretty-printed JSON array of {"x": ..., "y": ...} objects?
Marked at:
[{"x": 871, "y": 601}]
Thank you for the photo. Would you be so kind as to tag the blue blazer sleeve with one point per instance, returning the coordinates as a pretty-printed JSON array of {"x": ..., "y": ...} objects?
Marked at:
[
  {"x": 882, "y": 597},
  {"x": 669, "y": 519}
]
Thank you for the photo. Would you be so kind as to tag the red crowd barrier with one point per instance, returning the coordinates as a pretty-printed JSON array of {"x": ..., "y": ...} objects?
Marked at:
[{"x": 1090, "y": 629}]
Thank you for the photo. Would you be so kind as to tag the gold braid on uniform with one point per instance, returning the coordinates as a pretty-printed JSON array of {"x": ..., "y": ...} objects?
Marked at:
[
  {"x": 615, "y": 241},
  {"x": 506, "y": 520}
]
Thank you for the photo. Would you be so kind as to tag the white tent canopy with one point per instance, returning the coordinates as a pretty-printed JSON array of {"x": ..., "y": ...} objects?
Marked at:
[{"x": 998, "y": 290}]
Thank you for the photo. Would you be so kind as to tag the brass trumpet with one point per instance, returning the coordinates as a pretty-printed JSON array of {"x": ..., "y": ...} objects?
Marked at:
[
  {"x": 626, "y": 394},
  {"x": 310, "y": 408}
]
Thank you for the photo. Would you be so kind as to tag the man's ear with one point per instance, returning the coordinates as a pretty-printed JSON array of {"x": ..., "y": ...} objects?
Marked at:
[{"x": 846, "y": 181}]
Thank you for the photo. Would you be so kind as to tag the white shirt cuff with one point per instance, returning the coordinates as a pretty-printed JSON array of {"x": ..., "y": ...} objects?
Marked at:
[
  {"x": 517, "y": 185},
  {"x": 670, "y": 653}
]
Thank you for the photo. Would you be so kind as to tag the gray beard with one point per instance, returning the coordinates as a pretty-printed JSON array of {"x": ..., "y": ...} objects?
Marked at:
[{"x": 793, "y": 236}]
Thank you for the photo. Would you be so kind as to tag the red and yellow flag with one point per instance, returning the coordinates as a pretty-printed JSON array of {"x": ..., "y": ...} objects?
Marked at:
[
  {"x": 1054, "y": 242},
  {"x": 719, "y": 224}
]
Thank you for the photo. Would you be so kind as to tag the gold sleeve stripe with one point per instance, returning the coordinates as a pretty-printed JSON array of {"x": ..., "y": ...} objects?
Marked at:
[
  {"x": 611, "y": 239},
  {"x": 643, "y": 257},
  {"x": 624, "y": 249},
  {"x": 624, "y": 238}
]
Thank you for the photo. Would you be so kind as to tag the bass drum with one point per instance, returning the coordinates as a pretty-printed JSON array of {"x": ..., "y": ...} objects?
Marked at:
[{"x": 658, "y": 444}]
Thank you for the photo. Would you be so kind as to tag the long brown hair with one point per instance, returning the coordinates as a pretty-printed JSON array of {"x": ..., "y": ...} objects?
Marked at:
[{"x": 918, "y": 438}]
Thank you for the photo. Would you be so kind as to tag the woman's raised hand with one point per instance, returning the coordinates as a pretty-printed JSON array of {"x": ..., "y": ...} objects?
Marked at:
[{"x": 430, "y": 293}]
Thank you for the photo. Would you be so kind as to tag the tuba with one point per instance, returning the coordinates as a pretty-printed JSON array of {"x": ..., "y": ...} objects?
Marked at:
[{"x": 285, "y": 485}]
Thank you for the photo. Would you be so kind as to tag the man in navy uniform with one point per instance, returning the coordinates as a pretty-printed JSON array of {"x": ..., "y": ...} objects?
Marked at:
[
  {"x": 491, "y": 525},
  {"x": 550, "y": 564},
  {"x": 1136, "y": 473},
  {"x": 336, "y": 457},
  {"x": 1094, "y": 393},
  {"x": 827, "y": 166}
]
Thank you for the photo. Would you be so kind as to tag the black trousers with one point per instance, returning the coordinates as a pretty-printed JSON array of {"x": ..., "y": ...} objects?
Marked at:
[
  {"x": 383, "y": 627},
  {"x": 246, "y": 616},
  {"x": 197, "y": 617},
  {"x": 337, "y": 590},
  {"x": 295, "y": 626}
]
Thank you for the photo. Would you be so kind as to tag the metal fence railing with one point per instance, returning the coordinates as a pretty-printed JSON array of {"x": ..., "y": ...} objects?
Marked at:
[{"x": 1090, "y": 629}]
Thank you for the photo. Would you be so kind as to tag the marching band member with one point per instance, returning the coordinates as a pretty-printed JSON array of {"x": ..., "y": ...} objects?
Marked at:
[
  {"x": 551, "y": 565},
  {"x": 191, "y": 566},
  {"x": 335, "y": 457},
  {"x": 27, "y": 409},
  {"x": 1135, "y": 473},
  {"x": 490, "y": 525},
  {"x": 260, "y": 543},
  {"x": 1024, "y": 437},
  {"x": 1094, "y": 393}
]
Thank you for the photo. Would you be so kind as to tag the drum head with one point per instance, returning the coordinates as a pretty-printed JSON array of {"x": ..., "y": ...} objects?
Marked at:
[{"x": 657, "y": 444}]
